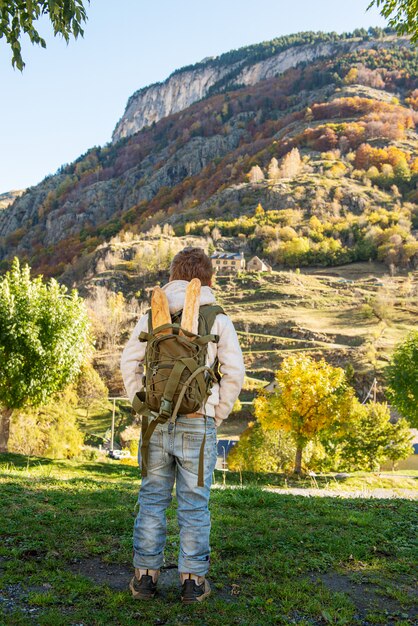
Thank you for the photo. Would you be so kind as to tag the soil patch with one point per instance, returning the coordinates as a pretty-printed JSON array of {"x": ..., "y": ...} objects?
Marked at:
[
  {"x": 115, "y": 575},
  {"x": 367, "y": 597}
]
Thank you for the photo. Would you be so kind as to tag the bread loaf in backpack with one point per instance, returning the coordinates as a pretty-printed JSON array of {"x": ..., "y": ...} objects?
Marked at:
[
  {"x": 160, "y": 310},
  {"x": 190, "y": 315}
]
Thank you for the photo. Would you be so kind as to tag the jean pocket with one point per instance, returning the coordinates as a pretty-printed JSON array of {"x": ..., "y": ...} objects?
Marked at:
[{"x": 191, "y": 451}]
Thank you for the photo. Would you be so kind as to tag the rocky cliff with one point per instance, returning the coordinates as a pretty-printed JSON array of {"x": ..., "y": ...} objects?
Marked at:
[
  {"x": 182, "y": 88},
  {"x": 175, "y": 94}
]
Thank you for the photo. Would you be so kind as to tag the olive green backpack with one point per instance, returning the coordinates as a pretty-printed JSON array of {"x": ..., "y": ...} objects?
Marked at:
[{"x": 177, "y": 380}]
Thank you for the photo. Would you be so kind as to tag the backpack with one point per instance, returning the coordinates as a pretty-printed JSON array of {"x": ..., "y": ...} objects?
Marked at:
[{"x": 177, "y": 379}]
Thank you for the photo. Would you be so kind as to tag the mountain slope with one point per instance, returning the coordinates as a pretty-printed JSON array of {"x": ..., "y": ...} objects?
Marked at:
[
  {"x": 351, "y": 121},
  {"x": 243, "y": 67}
]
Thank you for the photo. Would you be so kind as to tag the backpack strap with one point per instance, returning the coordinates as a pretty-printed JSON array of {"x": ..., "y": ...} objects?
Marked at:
[{"x": 207, "y": 316}]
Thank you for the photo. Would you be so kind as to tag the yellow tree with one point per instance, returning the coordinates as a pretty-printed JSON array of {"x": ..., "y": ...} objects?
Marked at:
[{"x": 310, "y": 397}]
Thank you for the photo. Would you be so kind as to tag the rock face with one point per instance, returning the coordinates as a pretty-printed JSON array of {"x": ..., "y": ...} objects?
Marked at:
[
  {"x": 181, "y": 89},
  {"x": 152, "y": 103},
  {"x": 101, "y": 200},
  {"x": 9, "y": 197}
]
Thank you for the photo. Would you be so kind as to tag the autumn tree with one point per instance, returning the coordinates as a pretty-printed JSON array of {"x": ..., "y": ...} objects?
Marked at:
[
  {"x": 256, "y": 174},
  {"x": 291, "y": 164},
  {"x": 310, "y": 397},
  {"x": 109, "y": 313},
  {"x": 216, "y": 234},
  {"x": 19, "y": 17},
  {"x": 273, "y": 172},
  {"x": 45, "y": 338},
  {"x": 351, "y": 76},
  {"x": 50, "y": 430},
  {"x": 402, "y": 378}
]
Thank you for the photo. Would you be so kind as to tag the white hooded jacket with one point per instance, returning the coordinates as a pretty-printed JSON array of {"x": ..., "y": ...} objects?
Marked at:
[{"x": 228, "y": 351}]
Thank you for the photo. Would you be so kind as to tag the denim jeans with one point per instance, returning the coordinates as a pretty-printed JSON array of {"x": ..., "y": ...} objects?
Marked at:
[{"x": 174, "y": 456}]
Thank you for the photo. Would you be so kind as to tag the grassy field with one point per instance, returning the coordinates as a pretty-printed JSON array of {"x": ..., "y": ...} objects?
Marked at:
[{"x": 65, "y": 553}]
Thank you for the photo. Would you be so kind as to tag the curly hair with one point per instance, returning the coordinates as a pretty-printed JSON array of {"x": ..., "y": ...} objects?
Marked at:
[{"x": 191, "y": 263}]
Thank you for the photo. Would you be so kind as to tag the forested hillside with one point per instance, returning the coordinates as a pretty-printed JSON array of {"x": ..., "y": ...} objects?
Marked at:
[{"x": 316, "y": 166}]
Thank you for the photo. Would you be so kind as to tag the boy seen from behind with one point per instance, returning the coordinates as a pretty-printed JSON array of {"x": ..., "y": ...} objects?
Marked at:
[{"x": 182, "y": 451}]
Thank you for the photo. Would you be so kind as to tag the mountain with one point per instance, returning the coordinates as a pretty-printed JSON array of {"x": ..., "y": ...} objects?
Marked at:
[
  {"x": 315, "y": 165},
  {"x": 233, "y": 70}
]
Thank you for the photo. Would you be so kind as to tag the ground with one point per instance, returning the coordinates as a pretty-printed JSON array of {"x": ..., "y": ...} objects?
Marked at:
[{"x": 65, "y": 553}]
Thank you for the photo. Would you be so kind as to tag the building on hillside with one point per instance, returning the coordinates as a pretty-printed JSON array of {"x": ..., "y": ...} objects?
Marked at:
[
  {"x": 258, "y": 265},
  {"x": 228, "y": 262}
]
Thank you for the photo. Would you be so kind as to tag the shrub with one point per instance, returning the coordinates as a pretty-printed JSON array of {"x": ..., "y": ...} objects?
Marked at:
[
  {"x": 259, "y": 450},
  {"x": 50, "y": 430}
]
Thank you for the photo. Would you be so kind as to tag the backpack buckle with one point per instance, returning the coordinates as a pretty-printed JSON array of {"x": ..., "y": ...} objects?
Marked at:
[{"x": 165, "y": 408}]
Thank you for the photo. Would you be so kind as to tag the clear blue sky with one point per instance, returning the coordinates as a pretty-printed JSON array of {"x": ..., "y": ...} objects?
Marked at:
[{"x": 69, "y": 98}]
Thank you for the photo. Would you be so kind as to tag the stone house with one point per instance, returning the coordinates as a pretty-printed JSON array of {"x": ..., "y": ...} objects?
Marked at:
[
  {"x": 228, "y": 262},
  {"x": 258, "y": 265}
]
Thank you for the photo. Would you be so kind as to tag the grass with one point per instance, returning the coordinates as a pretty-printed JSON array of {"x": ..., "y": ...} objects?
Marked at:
[
  {"x": 315, "y": 310},
  {"x": 65, "y": 553}
]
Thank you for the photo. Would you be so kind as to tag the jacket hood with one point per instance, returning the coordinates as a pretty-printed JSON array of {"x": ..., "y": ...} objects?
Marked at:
[{"x": 176, "y": 291}]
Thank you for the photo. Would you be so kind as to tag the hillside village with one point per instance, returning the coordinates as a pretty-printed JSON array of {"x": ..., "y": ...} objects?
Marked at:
[{"x": 234, "y": 262}]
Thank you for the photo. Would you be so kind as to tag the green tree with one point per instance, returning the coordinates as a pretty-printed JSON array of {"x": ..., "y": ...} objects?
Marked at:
[
  {"x": 311, "y": 397},
  {"x": 372, "y": 439},
  {"x": 402, "y": 15},
  {"x": 261, "y": 450},
  {"x": 402, "y": 378},
  {"x": 19, "y": 17},
  {"x": 400, "y": 446},
  {"x": 45, "y": 337}
]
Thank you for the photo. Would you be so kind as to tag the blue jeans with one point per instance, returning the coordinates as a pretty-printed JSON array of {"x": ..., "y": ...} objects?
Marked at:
[{"x": 174, "y": 456}]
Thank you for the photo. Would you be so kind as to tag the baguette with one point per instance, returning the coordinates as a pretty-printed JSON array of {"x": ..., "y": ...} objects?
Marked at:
[
  {"x": 159, "y": 310},
  {"x": 190, "y": 315}
]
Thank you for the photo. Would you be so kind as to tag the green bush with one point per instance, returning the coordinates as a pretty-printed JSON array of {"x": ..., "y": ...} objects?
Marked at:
[
  {"x": 50, "y": 430},
  {"x": 259, "y": 450}
]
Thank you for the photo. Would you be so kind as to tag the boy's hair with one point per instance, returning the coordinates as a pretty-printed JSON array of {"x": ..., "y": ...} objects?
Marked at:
[{"x": 191, "y": 263}]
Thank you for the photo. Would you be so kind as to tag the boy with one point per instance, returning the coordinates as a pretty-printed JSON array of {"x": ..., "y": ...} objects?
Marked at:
[{"x": 173, "y": 455}]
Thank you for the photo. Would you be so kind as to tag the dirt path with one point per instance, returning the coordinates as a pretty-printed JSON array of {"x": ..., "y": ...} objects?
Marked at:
[{"x": 408, "y": 494}]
